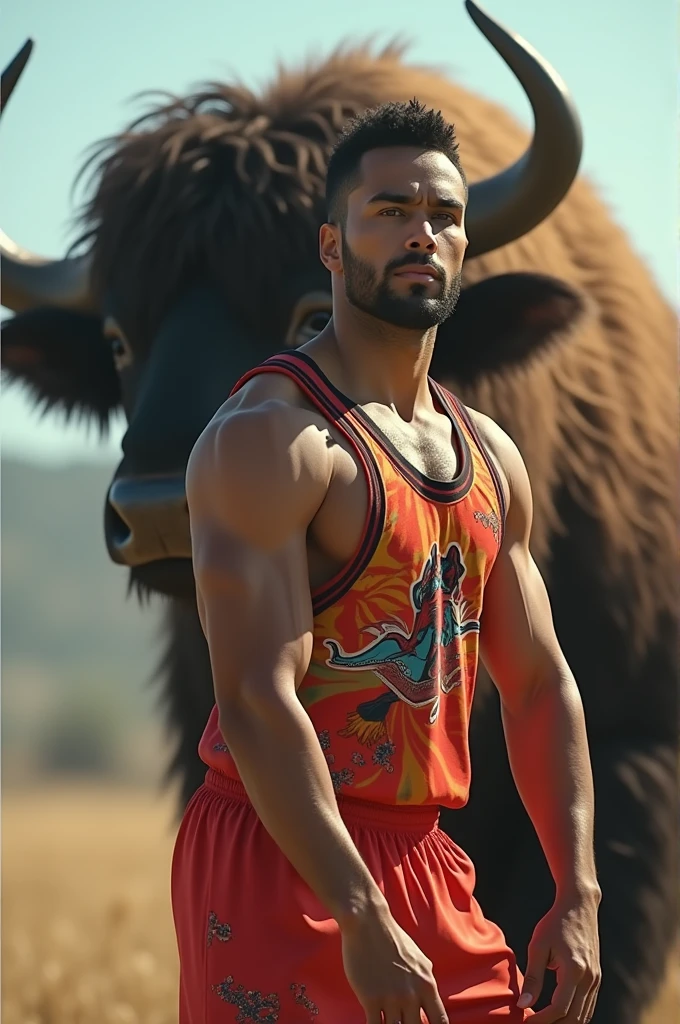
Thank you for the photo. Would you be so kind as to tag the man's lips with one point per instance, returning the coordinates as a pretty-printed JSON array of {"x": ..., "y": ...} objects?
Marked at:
[{"x": 419, "y": 273}]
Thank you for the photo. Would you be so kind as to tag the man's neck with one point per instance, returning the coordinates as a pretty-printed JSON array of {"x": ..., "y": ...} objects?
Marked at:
[{"x": 381, "y": 362}]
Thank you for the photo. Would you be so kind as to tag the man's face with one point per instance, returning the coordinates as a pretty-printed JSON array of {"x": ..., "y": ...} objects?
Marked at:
[{"x": 403, "y": 243}]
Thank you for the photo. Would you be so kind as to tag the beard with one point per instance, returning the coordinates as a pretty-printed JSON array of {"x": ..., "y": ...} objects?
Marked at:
[{"x": 416, "y": 310}]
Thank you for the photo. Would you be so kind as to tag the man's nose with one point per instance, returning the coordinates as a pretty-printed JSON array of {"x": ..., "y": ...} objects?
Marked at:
[{"x": 424, "y": 239}]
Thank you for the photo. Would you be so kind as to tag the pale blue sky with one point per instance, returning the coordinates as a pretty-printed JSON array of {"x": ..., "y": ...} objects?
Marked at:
[{"x": 617, "y": 56}]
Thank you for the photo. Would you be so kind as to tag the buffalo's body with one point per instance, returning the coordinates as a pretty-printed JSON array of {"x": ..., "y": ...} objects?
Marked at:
[{"x": 180, "y": 215}]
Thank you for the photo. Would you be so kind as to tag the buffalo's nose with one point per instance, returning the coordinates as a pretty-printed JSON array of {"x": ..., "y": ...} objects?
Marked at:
[{"x": 147, "y": 519}]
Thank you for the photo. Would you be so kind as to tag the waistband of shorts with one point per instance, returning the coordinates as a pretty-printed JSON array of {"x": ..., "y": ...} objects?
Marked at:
[{"x": 387, "y": 817}]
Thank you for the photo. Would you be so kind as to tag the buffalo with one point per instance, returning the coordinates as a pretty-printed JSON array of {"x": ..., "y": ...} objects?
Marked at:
[{"x": 198, "y": 258}]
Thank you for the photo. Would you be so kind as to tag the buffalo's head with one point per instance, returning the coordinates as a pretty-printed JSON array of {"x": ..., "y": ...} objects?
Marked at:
[{"x": 199, "y": 259}]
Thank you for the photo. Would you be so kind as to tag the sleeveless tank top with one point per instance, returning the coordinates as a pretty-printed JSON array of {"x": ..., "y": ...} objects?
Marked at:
[{"x": 396, "y": 631}]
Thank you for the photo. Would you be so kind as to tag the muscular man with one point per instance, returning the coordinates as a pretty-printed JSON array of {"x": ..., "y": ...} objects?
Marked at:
[{"x": 349, "y": 517}]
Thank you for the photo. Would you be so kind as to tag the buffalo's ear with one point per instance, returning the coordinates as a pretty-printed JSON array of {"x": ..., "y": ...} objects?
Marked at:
[
  {"x": 63, "y": 359},
  {"x": 502, "y": 322}
]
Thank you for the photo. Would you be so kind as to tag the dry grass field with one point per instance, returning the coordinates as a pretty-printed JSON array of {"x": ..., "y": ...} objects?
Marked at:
[{"x": 87, "y": 933}]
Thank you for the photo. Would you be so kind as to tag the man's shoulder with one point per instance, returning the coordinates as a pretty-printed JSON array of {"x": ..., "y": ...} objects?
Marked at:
[
  {"x": 269, "y": 408},
  {"x": 265, "y": 386},
  {"x": 487, "y": 428},
  {"x": 493, "y": 436},
  {"x": 260, "y": 434},
  {"x": 261, "y": 442}
]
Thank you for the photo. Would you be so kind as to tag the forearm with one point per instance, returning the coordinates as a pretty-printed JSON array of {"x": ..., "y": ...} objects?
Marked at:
[
  {"x": 284, "y": 772},
  {"x": 548, "y": 751}
]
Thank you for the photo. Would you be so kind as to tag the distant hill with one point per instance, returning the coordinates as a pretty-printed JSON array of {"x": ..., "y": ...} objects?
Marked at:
[{"x": 77, "y": 653}]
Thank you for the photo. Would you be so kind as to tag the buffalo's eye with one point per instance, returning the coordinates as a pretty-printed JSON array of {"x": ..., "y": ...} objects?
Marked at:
[
  {"x": 310, "y": 316},
  {"x": 120, "y": 347},
  {"x": 314, "y": 323}
]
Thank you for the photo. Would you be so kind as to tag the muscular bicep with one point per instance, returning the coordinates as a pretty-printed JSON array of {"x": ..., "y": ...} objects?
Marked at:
[
  {"x": 518, "y": 642},
  {"x": 253, "y": 488},
  {"x": 256, "y": 611}
]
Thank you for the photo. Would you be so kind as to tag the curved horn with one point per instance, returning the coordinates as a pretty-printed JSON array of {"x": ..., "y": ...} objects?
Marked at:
[
  {"x": 12, "y": 72},
  {"x": 511, "y": 203},
  {"x": 28, "y": 280}
]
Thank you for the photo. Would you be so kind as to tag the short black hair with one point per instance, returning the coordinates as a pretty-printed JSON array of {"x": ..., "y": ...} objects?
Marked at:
[{"x": 390, "y": 124}]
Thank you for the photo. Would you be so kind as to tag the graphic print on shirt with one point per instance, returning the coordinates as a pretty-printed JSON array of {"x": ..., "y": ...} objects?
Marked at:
[{"x": 420, "y": 663}]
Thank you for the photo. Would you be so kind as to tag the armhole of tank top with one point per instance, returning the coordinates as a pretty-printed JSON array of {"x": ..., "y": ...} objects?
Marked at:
[
  {"x": 333, "y": 410},
  {"x": 472, "y": 429}
]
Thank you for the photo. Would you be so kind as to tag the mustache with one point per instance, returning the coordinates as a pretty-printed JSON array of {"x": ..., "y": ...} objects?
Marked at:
[{"x": 415, "y": 259}]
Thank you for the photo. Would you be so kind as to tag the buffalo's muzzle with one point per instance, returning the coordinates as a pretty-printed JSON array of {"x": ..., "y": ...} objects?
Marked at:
[{"x": 147, "y": 519}]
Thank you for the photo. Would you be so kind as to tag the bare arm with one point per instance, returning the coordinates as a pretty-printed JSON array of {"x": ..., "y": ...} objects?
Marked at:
[
  {"x": 254, "y": 483},
  {"x": 546, "y": 738},
  {"x": 541, "y": 706}
]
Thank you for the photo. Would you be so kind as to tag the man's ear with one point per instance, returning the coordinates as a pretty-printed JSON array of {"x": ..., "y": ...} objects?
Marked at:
[{"x": 330, "y": 247}]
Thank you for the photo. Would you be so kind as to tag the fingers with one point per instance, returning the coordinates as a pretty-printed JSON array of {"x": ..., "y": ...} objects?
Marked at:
[
  {"x": 570, "y": 998},
  {"x": 407, "y": 1016},
  {"x": 394, "y": 1013},
  {"x": 533, "y": 979},
  {"x": 591, "y": 1001},
  {"x": 563, "y": 997},
  {"x": 577, "y": 1010},
  {"x": 434, "y": 1009}
]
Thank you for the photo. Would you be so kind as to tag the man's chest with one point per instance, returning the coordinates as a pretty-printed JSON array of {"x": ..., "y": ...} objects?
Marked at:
[{"x": 427, "y": 446}]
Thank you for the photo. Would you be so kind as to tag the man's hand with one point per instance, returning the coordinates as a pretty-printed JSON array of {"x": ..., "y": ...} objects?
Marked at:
[
  {"x": 388, "y": 973},
  {"x": 566, "y": 941}
]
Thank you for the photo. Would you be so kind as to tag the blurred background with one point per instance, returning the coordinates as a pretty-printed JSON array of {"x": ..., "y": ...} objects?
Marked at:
[{"x": 79, "y": 713}]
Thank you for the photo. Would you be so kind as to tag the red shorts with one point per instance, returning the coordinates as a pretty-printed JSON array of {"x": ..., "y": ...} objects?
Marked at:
[{"x": 255, "y": 944}]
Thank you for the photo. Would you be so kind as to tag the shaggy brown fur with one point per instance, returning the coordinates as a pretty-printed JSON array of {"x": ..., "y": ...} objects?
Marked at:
[{"x": 598, "y": 415}]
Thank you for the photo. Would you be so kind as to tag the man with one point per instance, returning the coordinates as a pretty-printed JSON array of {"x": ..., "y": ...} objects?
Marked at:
[{"x": 342, "y": 548}]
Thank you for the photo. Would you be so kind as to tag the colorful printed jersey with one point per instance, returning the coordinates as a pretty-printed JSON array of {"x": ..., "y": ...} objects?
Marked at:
[{"x": 396, "y": 632}]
